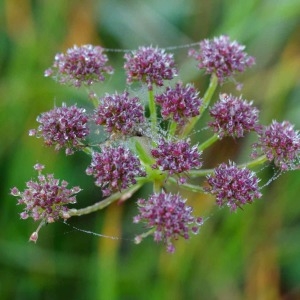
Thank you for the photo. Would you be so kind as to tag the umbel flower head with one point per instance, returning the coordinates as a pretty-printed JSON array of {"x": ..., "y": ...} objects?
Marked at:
[
  {"x": 233, "y": 117},
  {"x": 80, "y": 65},
  {"x": 169, "y": 217},
  {"x": 119, "y": 113},
  {"x": 280, "y": 142},
  {"x": 149, "y": 65},
  {"x": 114, "y": 169},
  {"x": 233, "y": 186},
  {"x": 63, "y": 127},
  {"x": 46, "y": 198},
  {"x": 222, "y": 57},
  {"x": 179, "y": 103},
  {"x": 176, "y": 157}
]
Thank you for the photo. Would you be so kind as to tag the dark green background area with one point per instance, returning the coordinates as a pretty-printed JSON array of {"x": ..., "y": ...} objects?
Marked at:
[{"x": 251, "y": 254}]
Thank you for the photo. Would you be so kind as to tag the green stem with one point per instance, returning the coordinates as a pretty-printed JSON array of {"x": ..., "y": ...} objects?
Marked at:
[
  {"x": 144, "y": 155},
  {"x": 186, "y": 186},
  {"x": 172, "y": 128},
  {"x": 94, "y": 100},
  {"x": 152, "y": 108},
  {"x": 157, "y": 186},
  {"x": 256, "y": 162},
  {"x": 104, "y": 203},
  {"x": 144, "y": 235},
  {"x": 208, "y": 142},
  {"x": 157, "y": 177},
  {"x": 206, "y": 100},
  {"x": 209, "y": 93},
  {"x": 87, "y": 150},
  {"x": 251, "y": 164},
  {"x": 200, "y": 173}
]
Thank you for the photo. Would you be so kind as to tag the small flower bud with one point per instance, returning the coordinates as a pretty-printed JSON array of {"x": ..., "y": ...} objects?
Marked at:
[
  {"x": 14, "y": 191},
  {"x": 38, "y": 167},
  {"x": 34, "y": 236},
  {"x": 138, "y": 239}
]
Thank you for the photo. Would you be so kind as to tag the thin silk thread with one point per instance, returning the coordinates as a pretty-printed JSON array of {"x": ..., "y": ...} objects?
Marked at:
[
  {"x": 96, "y": 234},
  {"x": 166, "y": 48}
]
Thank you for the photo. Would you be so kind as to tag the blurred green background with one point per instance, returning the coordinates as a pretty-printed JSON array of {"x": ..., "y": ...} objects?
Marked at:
[{"x": 251, "y": 254}]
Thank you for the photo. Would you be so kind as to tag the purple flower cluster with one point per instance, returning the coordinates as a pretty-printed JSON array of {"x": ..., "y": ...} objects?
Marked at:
[
  {"x": 119, "y": 113},
  {"x": 233, "y": 186},
  {"x": 162, "y": 155},
  {"x": 63, "y": 127},
  {"x": 169, "y": 215},
  {"x": 114, "y": 169},
  {"x": 176, "y": 157},
  {"x": 149, "y": 65},
  {"x": 45, "y": 199},
  {"x": 281, "y": 143},
  {"x": 180, "y": 103},
  {"x": 80, "y": 65},
  {"x": 222, "y": 57},
  {"x": 233, "y": 117}
]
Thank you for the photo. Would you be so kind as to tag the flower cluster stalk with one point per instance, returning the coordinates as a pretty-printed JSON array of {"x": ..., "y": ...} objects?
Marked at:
[
  {"x": 206, "y": 100},
  {"x": 153, "y": 114}
]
